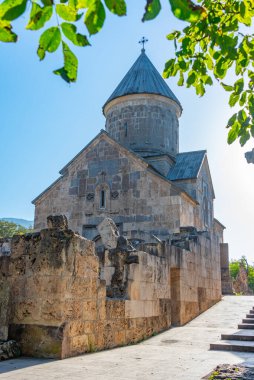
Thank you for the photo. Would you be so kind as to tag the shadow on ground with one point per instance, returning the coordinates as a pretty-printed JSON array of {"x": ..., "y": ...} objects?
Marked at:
[{"x": 20, "y": 363}]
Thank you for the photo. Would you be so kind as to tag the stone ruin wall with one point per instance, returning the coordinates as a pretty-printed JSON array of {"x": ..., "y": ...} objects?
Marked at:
[
  {"x": 59, "y": 299},
  {"x": 195, "y": 280},
  {"x": 54, "y": 303},
  {"x": 226, "y": 280}
]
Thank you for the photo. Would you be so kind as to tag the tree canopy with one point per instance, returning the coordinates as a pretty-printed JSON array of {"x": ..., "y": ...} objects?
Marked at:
[
  {"x": 215, "y": 43},
  {"x": 234, "y": 267},
  {"x": 8, "y": 229}
]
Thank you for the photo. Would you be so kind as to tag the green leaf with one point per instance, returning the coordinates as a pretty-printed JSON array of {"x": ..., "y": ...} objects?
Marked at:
[
  {"x": 181, "y": 80},
  {"x": 207, "y": 80},
  {"x": 95, "y": 16},
  {"x": 182, "y": 64},
  {"x": 220, "y": 68},
  {"x": 232, "y": 120},
  {"x": 216, "y": 55},
  {"x": 152, "y": 9},
  {"x": 239, "y": 85},
  {"x": 227, "y": 87},
  {"x": 233, "y": 133},
  {"x": 242, "y": 116},
  {"x": 233, "y": 99},
  {"x": 39, "y": 16},
  {"x": 12, "y": 9},
  {"x": 47, "y": 2},
  {"x": 169, "y": 68},
  {"x": 244, "y": 137},
  {"x": 209, "y": 62},
  {"x": 186, "y": 10},
  {"x": 6, "y": 35},
  {"x": 70, "y": 31},
  {"x": 243, "y": 99},
  {"x": 81, "y": 4},
  {"x": 200, "y": 89},
  {"x": 49, "y": 41},
  {"x": 191, "y": 78},
  {"x": 242, "y": 9},
  {"x": 173, "y": 35},
  {"x": 70, "y": 69},
  {"x": 66, "y": 12},
  {"x": 252, "y": 130},
  {"x": 117, "y": 7}
]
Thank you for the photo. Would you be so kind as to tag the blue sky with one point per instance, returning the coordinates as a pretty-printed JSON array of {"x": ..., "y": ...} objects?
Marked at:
[{"x": 45, "y": 122}]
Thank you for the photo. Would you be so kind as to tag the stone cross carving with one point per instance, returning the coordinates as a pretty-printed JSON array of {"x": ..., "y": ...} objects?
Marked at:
[{"x": 143, "y": 41}]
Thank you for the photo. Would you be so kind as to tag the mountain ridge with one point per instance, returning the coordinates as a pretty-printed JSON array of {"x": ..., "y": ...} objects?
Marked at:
[{"x": 22, "y": 222}]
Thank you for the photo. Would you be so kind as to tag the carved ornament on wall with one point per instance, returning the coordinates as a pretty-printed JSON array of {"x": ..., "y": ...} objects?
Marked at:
[
  {"x": 90, "y": 196},
  {"x": 114, "y": 194}
]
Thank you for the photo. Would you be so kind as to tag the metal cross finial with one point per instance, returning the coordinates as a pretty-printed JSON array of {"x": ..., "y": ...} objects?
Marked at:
[{"x": 143, "y": 41}]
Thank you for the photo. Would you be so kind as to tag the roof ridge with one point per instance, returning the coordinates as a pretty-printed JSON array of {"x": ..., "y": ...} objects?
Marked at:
[{"x": 193, "y": 151}]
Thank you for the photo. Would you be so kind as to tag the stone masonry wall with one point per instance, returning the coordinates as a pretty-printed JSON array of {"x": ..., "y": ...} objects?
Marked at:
[
  {"x": 4, "y": 297},
  {"x": 135, "y": 198},
  {"x": 144, "y": 123},
  {"x": 54, "y": 285},
  {"x": 59, "y": 299},
  {"x": 57, "y": 305},
  {"x": 226, "y": 280},
  {"x": 195, "y": 279}
]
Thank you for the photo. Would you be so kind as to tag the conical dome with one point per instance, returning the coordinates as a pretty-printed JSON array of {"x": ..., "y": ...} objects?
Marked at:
[
  {"x": 142, "y": 78},
  {"x": 142, "y": 113}
]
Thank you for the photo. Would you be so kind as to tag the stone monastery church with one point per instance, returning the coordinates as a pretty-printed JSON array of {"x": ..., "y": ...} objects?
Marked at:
[
  {"x": 126, "y": 243},
  {"x": 133, "y": 171}
]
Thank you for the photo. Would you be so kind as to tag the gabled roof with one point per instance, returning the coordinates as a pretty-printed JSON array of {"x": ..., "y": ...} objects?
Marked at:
[
  {"x": 142, "y": 161},
  {"x": 143, "y": 78},
  {"x": 187, "y": 165},
  {"x": 220, "y": 224}
]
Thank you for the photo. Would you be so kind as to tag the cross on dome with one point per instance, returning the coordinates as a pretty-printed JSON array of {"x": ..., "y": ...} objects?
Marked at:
[{"x": 143, "y": 41}]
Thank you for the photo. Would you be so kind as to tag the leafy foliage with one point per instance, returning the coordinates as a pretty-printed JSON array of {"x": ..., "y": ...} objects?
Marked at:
[
  {"x": 234, "y": 267},
  {"x": 92, "y": 12},
  {"x": 8, "y": 229},
  {"x": 152, "y": 9},
  {"x": 210, "y": 47}
]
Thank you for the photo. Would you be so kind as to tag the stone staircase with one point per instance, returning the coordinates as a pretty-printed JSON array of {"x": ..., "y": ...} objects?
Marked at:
[{"x": 241, "y": 340}]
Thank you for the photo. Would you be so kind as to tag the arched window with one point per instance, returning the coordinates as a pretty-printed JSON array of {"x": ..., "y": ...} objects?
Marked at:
[{"x": 102, "y": 199}]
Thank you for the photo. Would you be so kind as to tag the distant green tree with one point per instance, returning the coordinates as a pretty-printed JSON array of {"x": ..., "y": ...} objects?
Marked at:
[
  {"x": 234, "y": 267},
  {"x": 8, "y": 229}
]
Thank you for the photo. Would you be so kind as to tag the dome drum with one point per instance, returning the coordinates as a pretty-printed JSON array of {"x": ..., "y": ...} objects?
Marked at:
[{"x": 146, "y": 124}]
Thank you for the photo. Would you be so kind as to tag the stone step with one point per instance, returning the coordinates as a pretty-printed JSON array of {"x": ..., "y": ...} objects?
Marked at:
[
  {"x": 247, "y": 326},
  {"x": 233, "y": 345},
  {"x": 248, "y": 320},
  {"x": 243, "y": 335},
  {"x": 250, "y": 316},
  {"x": 252, "y": 311}
]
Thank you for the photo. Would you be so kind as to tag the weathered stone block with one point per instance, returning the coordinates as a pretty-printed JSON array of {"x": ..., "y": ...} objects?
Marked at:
[
  {"x": 37, "y": 340},
  {"x": 115, "y": 309},
  {"x": 109, "y": 233},
  {"x": 57, "y": 221}
]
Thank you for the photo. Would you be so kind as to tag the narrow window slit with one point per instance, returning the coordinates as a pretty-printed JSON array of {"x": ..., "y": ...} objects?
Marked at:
[{"x": 102, "y": 200}]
